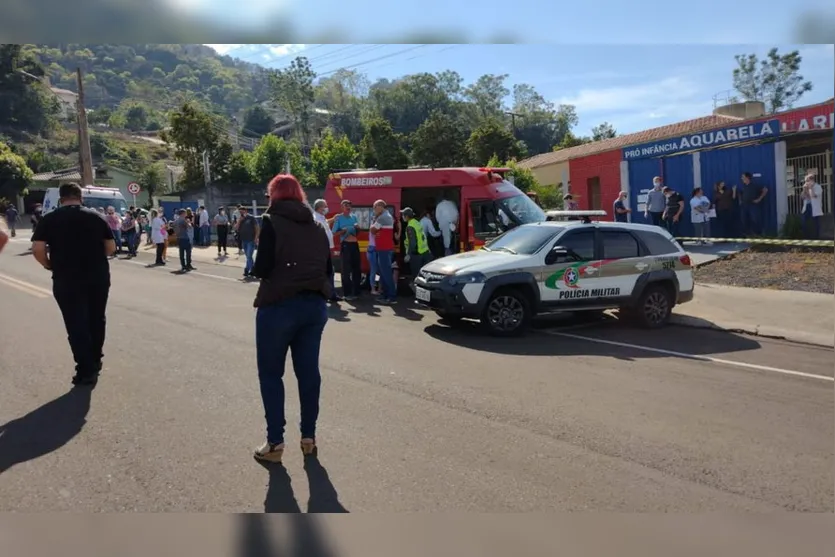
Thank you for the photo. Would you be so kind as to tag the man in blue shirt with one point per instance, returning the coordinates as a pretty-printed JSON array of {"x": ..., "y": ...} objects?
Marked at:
[
  {"x": 620, "y": 209},
  {"x": 345, "y": 227}
]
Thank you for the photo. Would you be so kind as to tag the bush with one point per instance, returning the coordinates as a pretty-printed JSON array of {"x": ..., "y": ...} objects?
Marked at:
[{"x": 792, "y": 228}]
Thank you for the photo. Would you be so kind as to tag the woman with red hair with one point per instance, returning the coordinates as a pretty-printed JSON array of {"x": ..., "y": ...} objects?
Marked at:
[{"x": 292, "y": 263}]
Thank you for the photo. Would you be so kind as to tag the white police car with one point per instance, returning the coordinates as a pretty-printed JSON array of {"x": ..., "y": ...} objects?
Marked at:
[{"x": 561, "y": 266}]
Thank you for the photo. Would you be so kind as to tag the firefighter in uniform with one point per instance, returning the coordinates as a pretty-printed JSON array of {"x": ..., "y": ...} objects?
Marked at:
[{"x": 416, "y": 247}]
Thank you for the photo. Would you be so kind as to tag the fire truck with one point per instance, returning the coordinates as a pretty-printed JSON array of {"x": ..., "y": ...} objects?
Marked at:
[{"x": 488, "y": 204}]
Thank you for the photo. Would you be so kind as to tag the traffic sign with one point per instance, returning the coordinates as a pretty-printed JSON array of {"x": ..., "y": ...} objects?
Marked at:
[{"x": 133, "y": 188}]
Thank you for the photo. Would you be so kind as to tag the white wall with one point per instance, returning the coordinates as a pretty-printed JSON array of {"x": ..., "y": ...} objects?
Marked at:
[
  {"x": 624, "y": 185},
  {"x": 781, "y": 192}
]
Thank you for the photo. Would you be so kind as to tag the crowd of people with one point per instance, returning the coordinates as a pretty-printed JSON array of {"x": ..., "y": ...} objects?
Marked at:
[{"x": 735, "y": 210}]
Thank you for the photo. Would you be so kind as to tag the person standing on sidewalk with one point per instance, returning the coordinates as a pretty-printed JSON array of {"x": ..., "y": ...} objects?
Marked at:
[
  {"x": 700, "y": 215},
  {"x": 248, "y": 230},
  {"x": 620, "y": 209},
  {"x": 320, "y": 209},
  {"x": 158, "y": 236},
  {"x": 221, "y": 223},
  {"x": 205, "y": 226},
  {"x": 345, "y": 227},
  {"x": 656, "y": 203},
  {"x": 11, "y": 219},
  {"x": 724, "y": 199},
  {"x": 673, "y": 210},
  {"x": 129, "y": 232},
  {"x": 812, "y": 209},
  {"x": 115, "y": 222},
  {"x": 184, "y": 242},
  {"x": 752, "y": 212},
  {"x": 416, "y": 246},
  {"x": 382, "y": 230},
  {"x": 291, "y": 311},
  {"x": 4, "y": 236},
  {"x": 79, "y": 243}
]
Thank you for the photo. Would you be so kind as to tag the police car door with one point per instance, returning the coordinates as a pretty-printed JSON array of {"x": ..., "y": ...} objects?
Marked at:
[
  {"x": 623, "y": 262},
  {"x": 572, "y": 278}
]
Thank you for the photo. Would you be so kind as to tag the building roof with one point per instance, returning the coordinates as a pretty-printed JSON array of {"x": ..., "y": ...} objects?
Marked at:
[
  {"x": 59, "y": 91},
  {"x": 56, "y": 175},
  {"x": 655, "y": 134}
]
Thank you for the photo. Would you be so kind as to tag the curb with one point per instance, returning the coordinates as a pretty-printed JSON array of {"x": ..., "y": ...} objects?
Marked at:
[{"x": 765, "y": 331}]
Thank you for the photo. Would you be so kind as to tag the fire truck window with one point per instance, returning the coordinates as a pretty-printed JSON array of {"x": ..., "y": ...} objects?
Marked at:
[{"x": 486, "y": 221}]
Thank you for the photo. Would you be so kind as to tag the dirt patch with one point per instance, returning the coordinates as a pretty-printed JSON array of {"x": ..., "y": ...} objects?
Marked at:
[{"x": 806, "y": 270}]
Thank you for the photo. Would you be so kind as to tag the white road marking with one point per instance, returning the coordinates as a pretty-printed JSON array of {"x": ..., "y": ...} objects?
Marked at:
[
  {"x": 693, "y": 356},
  {"x": 189, "y": 273},
  {"x": 30, "y": 289}
]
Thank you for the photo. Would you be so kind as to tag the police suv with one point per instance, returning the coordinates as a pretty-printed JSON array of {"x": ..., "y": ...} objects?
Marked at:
[{"x": 561, "y": 266}]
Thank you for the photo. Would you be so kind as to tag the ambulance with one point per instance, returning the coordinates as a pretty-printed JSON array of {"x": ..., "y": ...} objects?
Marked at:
[
  {"x": 94, "y": 197},
  {"x": 487, "y": 203}
]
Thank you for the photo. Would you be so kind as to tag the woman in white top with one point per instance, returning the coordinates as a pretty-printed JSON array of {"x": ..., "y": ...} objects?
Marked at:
[
  {"x": 812, "y": 206},
  {"x": 159, "y": 235},
  {"x": 699, "y": 214}
]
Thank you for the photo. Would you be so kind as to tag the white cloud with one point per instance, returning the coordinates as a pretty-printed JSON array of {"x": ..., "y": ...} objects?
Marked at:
[
  {"x": 640, "y": 106},
  {"x": 224, "y": 48},
  {"x": 285, "y": 49}
]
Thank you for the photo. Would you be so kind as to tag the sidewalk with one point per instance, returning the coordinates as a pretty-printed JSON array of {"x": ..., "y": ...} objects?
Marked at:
[{"x": 795, "y": 316}]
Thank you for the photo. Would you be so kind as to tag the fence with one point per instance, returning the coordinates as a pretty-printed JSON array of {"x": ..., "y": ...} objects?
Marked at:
[{"x": 796, "y": 170}]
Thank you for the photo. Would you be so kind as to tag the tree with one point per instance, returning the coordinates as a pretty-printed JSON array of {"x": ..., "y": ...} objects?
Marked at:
[
  {"x": 136, "y": 117},
  {"x": 268, "y": 159},
  {"x": 380, "y": 147},
  {"x": 293, "y": 92},
  {"x": 492, "y": 138},
  {"x": 408, "y": 102},
  {"x": 257, "y": 121},
  {"x": 603, "y": 131},
  {"x": 775, "y": 81},
  {"x": 15, "y": 175},
  {"x": 571, "y": 140},
  {"x": 25, "y": 103},
  {"x": 192, "y": 133},
  {"x": 331, "y": 154},
  {"x": 439, "y": 141},
  {"x": 539, "y": 124},
  {"x": 238, "y": 171},
  {"x": 153, "y": 180},
  {"x": 488, "y": 94}
]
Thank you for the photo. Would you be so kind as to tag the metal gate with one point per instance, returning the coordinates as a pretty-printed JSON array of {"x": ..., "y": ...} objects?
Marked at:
[{"x": 796, "y": 170}]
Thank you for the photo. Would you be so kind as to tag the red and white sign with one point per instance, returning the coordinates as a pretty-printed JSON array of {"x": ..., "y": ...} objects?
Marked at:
[
  {"x": 134, "y": 188},
  {"x": 820, "y": 117}
]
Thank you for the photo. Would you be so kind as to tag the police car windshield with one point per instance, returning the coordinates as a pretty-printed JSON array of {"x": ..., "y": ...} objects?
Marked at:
[
  {"x": 104, "y": 203},
  {"x": 519, "y": 208},
  {"x": 524, "y": 240}
]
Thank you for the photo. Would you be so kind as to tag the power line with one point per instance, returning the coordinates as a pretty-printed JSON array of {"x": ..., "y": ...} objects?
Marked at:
[{"x": 375, "y": 59}]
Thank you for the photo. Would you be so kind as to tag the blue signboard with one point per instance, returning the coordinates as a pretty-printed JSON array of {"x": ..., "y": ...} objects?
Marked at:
[{"x": 704, "y": 140}]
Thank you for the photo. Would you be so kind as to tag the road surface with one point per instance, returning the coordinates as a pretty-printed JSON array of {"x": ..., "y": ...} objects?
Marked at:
[{"x": 416, "y": 416}]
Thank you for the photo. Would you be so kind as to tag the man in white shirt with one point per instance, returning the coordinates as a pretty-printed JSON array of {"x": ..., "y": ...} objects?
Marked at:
[
  {"x": 812, "y": 206},
  {"x": 432, "y": 234},
  {"x": 205, "y": 226},
  {"x": 320, "y": 209}
]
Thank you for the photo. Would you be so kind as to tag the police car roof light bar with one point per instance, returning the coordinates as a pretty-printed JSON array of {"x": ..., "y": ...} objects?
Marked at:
[{"x": 595, "y": 213}]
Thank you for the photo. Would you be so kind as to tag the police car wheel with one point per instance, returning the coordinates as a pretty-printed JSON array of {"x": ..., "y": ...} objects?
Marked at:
[
  {"x": 654, "y": 307},
  {"x": 507, "y": 313}
]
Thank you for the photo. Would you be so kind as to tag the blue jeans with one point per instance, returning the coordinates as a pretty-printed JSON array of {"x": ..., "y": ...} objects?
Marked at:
[
  {"x": 295, "y": 324},
  {"x": 384, "y": 259},
  {"x": 206, "y": 235},
  {"x": 249, "y": 249},
  {"x": 371, "y": 252},
  {"x": 185, "y": 252},
  {"x": 751, "y": 213},
  {"x": 671, "y": 226},
  {"x": 130, "y": 241},
  {"x": 117, "y": 235}
]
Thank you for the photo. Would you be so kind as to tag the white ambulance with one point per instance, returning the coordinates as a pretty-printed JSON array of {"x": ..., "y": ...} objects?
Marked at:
[{"x": 94, "y": 197}]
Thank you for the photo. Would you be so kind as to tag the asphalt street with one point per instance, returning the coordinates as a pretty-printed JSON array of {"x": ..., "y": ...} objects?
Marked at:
[{"x": 416, "y": 415}]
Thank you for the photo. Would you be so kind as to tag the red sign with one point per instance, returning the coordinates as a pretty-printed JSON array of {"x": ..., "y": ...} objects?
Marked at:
[
  {"x": 818, "y": 117},
  {"x": 133, "y": 188}
]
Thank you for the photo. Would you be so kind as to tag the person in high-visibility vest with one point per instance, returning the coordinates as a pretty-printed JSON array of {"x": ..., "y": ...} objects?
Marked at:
[{"x": 417, "y": 252}]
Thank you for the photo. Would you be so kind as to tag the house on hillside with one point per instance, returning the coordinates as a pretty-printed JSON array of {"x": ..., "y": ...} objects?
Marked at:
[{"x": 68, "y": 101}]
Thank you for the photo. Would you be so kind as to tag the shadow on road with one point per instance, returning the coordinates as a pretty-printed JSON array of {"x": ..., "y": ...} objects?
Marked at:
[
  {"x": 545, "y": 340},
  {"x": 44, "y": 429},
  {"x": 281, "y": 498}
]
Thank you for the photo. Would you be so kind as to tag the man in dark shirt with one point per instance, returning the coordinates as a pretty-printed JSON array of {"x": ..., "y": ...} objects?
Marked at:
[
  {"x": 621, "y": 210},
  {"x": 79, "y": 242},
  {"x": 181, "y": 228},
  {"x": 247, "y": 227},
  {"x": 673, "y": 211},
  {"x": 750, "y": 205},
  {"x": 11, "y": 219}
]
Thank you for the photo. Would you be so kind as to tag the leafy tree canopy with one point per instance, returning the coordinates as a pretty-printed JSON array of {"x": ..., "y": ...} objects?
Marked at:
[{"x": 775, "y": 81}]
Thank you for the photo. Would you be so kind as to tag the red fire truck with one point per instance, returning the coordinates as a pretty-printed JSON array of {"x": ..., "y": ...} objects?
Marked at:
[{"x": 487, "y": 203}]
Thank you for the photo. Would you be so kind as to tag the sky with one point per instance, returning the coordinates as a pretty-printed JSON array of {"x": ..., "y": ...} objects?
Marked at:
[{"x": 633, "y": 87}]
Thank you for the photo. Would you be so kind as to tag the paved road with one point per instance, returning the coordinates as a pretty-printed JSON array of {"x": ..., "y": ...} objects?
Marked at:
[{"x": 416, "y": 416}]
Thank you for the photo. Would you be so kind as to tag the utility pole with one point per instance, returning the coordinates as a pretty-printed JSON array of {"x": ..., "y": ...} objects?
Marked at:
[
  {"x": 513, "y": 116},
  {"x": 85, "y": 155}
]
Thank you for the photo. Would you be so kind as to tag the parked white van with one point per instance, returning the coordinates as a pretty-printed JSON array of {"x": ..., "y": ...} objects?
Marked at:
[{"x": 94, "y": 197}]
